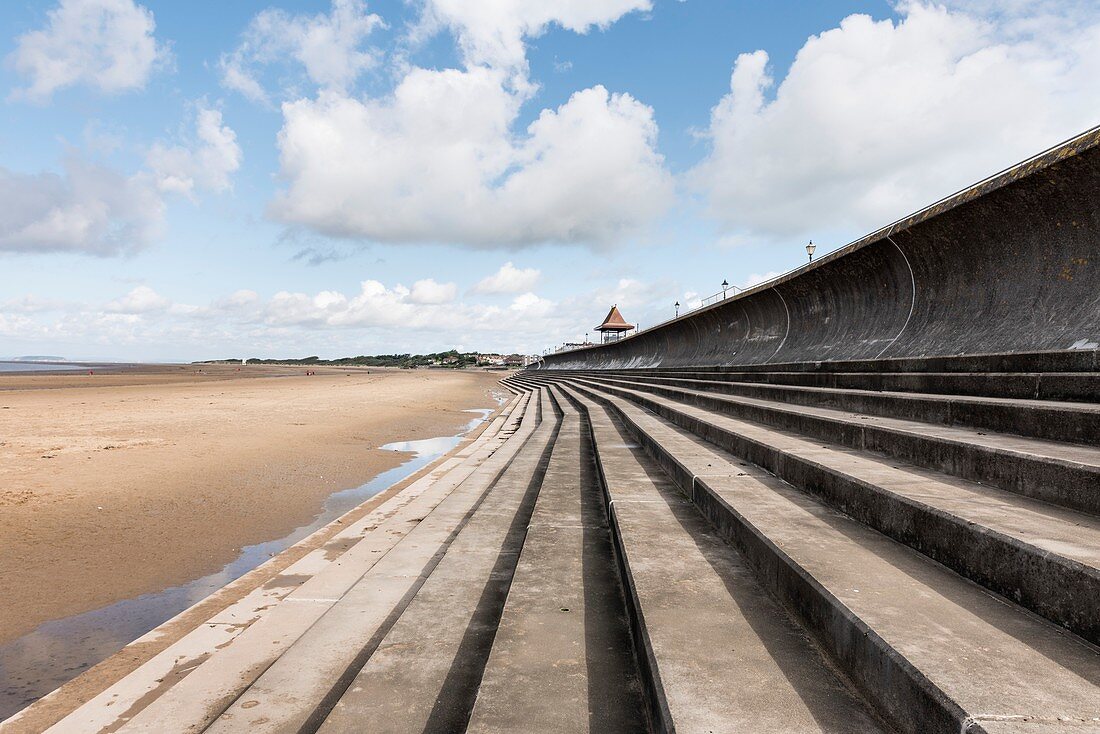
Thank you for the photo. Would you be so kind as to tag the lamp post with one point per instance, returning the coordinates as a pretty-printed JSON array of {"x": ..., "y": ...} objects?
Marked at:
[
  {"x": 725, "y": 285},
  {"x": 810, "y": 250},
  {"x": 677, "y": 307}
]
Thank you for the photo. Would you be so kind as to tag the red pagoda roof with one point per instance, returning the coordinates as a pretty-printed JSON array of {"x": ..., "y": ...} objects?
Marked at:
[{"x": 614, "y": 322}]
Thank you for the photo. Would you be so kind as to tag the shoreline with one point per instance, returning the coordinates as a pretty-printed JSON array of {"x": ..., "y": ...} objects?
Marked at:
[
  {"x": 135, "y": 482},
  {"x": 54, "y": 705},
  {"x": 65, "y": 651}
]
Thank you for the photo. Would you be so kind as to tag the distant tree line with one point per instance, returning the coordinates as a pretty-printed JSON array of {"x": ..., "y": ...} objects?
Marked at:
[{"x": 452, "y": 359}]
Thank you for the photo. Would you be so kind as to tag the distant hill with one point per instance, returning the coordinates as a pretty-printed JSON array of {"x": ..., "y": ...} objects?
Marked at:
[{"x": 38, "y": 358}]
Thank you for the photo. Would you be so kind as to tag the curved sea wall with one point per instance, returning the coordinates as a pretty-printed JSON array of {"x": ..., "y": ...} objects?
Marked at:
[{"x": 1010, "y": 265}]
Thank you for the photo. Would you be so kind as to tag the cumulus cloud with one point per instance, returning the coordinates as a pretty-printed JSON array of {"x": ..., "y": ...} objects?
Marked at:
[
  {"x": 426, "y": 317},
  {"x": 92, "y": 209},
  {"x": 329, "y": 46},
  {"x": 429, "y": 292},
  {"x": 239, "y": 299},
  {"x": 529, "y": 304},
  {"x": 436, "y": 161},
  {"x": 492, "y": 32},
  {"x": 207, "y": 163},
  {"x": 509, "y": 279},
  {"x": 438, "y": 158},
  {"x": 531, "y": 320},
  {"x": 141, "y": 299},
  {"x": 427, "y": 306},
  {"x": 30, "y": 304},
  {"x": 87, "y": 209},
  {"x": 106, "y": 44},
  {"x": 875, "y": 119}
]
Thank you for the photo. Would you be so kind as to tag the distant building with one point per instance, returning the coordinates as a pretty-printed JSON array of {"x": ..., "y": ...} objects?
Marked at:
[
  {"x": 515, "y": 360},
  {"x": 490, "y": 360},
  {"x": 614, "y": 326}
]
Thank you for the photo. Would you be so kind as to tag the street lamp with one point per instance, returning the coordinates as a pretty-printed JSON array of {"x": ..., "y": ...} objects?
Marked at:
[
  {"x": 725, "y": 285},
  {"x": 677, "y": 306},
  {"x": 810, "y": 250}
]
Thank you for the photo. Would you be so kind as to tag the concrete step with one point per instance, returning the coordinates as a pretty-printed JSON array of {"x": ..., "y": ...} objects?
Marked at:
[
  {"x": 1046, "y": 419},
  {"x": 390, "y": 553},
  {"x": 1062, "y": 474},
  {"x": 526, "y": 386},
  {"x": 119, "y": 701},
  {"x": 561, "y": 658},
  {"x": 934, "y": 652},
  {"x": 424, "y": 674},
  {"x": 300, "y": 688},
  {"x": 1061, "y": 361},
  {"x": 1043, "y": 557},
  {"x": 717, "y": 653},
  {"x": 1064, "y": 386},
  {"x": 507, "y": 417}
]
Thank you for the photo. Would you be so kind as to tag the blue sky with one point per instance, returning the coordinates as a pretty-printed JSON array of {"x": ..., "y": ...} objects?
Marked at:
[{"x": 182, "y": 181}]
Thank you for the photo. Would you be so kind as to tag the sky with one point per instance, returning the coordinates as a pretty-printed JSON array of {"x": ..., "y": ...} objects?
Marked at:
[{"x": 186, "y": 181}]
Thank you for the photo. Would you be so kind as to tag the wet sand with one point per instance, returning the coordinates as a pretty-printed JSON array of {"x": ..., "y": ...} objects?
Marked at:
[{"x": 116, "y": 485}]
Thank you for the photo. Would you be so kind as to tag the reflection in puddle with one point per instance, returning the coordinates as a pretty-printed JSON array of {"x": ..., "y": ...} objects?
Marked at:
[{"x": 38, "y": 662}]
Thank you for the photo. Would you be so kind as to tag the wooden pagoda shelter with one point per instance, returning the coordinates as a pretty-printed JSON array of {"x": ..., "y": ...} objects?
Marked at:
[{"x": 614, "y": 326}]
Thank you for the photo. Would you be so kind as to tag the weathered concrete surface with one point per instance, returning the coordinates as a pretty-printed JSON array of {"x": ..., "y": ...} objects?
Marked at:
[
  {"x": 117, "y": 699},
  {"x": 1011, "y": 265},
  {"x": 561, "y": 658},
  {"x": 425, "y": 673},
  {"x": 932, "y": 651},
  {"x": 1063, "y": 474},
  {"x": 728, "y": 562},
  {"x": 145, "y": 700},
  {"x": 720, "y": 655},
  {"x": 1046, "y": 419},
  {"x": 317, "y": 665},
  {"x": 1043, "y": 557}
]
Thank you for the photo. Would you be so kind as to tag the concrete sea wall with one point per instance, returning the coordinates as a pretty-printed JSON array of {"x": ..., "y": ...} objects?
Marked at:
[{"x": 1010, "y": 265}]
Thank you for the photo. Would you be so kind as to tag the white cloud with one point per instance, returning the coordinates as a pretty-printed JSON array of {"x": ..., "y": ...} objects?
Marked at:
[
  {"x": 436, "y": 161},
  {"x": 876, "y": 119},
  {"x": 239, "y": 299},
  {"x": 374, "y": 306},
  {"x": 328, "y": 46},
  {"x": 509, "y": 279},
  {"x": 88, "y": 209},
  {"x": 141, "y": 299},
  {"x": 375, "y": 319},
  {"x": 30, "y": 304},
  {"x": 492, "y": 32},
  {"x": 429, "y": 292},
  {"x": 529, "y": 304},
  {"x": 92, "y": 209},
  {"x": 207, "y": 164},
  {"x": 106, "y": 44},
  {"x": 631, "y": 293}
]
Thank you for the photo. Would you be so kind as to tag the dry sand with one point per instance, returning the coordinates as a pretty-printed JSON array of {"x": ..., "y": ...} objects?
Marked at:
[{"x": 114, "y": 485}]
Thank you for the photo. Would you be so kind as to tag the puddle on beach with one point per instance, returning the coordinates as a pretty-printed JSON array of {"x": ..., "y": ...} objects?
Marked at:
[{"x": 38, "y": 662}]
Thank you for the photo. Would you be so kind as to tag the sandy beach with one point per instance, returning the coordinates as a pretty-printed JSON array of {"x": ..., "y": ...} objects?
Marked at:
[{"x": 118, "y": 484}]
